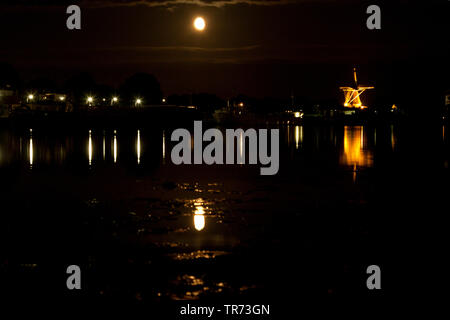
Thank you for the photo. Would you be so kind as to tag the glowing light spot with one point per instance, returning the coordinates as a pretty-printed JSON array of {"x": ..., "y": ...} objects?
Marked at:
[
  {"x": 138, "y": 102},
  {"x": 199, "y": 24}
]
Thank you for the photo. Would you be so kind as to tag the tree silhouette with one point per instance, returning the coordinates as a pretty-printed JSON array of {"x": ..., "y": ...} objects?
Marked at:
[
  {"x": 143, "y": 86},
  {"x": 79, "y": 86},
  {"x": 42, "y": 85},
  {"x": 9, "y": 78}
]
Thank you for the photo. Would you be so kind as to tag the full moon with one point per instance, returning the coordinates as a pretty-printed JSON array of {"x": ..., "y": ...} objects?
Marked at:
[{"x": 199, "y": 24}]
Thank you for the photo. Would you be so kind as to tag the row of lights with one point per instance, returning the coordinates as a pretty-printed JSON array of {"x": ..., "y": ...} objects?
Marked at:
[
  {"x": 90, "y": 100},
  {"x": 114, "y": 100},
  {"x": 30, "y": 97}
]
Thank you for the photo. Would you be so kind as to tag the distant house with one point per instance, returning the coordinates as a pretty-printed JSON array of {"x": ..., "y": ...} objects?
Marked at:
[
  {"x": 47, "y": 102},
  {"x": 5, "y": 93},
  {"x": 53, "y": 97}
]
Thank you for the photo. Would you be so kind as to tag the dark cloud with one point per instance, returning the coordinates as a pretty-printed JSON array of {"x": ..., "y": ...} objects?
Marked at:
[
  {"x": 174, "y": 3},
  {"x": 157, "y": 3}
]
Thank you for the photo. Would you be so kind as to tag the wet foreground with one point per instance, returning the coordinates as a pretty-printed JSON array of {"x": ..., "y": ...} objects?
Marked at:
[{"x": 146, "y": 231}]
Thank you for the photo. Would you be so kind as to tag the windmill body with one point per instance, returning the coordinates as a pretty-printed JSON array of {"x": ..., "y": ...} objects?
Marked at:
[{"x": 353, "y": 94}]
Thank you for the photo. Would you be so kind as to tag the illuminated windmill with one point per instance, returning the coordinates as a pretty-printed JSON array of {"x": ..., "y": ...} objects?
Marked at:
[{"x": 352, "y": 94}]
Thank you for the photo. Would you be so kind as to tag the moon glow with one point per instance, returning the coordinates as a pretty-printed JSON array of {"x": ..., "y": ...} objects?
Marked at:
[{"x": 199, "y": 24}]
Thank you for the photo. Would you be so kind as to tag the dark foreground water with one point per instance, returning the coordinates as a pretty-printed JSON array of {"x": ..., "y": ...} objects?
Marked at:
[{"x": 146, "y": 231}]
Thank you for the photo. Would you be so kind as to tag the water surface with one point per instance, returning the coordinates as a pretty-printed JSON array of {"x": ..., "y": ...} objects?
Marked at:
[{"x": 110, "y": 200}]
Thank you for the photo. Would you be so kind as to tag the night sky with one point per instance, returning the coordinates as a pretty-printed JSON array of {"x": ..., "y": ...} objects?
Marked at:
[{"x": 259, "y": 48}]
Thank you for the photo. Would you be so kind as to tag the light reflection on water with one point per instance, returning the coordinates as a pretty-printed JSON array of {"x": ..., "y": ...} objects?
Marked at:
[
  {"x": 199, "y": 215},
  {"x": 353, "y": 146},
  {"x": 138, "y": 147},
  {"x": 393, "y": 138},
  {"x": 196, "y": 228},
  {"x": 104, "y": 147},
  {"x": 355, "y": 153},
  {"x": 298, "y": 136},
  {"x": 31, "y": 149},
  {"x": 164, "y": 146},
  {"x": 115, "y": 146},
  {"x": 90, "y": 148},
  {"x": 350, "y": 143}
]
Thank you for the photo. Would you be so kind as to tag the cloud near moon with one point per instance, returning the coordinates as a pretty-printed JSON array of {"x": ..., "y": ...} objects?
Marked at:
[
  {"x": 169, "y": 4},
  {"x": 175, "y": 3}
]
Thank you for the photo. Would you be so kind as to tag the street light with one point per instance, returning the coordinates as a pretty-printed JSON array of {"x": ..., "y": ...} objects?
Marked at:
[
  {"x": 138, "y": 102},
  {"x": 90, "y": 100},
  {"x": 30, "y": 98}
]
